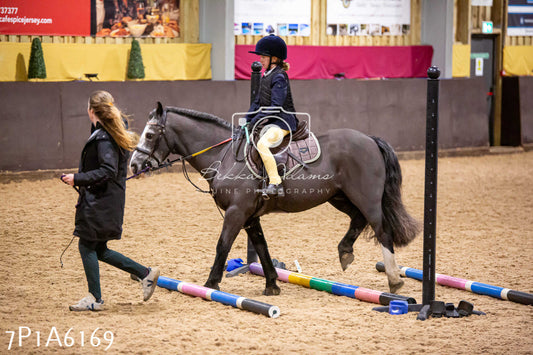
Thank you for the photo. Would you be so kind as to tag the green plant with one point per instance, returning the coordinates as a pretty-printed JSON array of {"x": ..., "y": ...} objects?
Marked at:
[
  {"x": 36, "y": 67},
  {"x": 135, "y": 64}
]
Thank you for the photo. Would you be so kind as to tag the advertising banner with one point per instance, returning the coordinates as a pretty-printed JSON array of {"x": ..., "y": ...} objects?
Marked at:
[
  {"x": 50, "y": 17},
  {"x": 136, "y": 18},
  {"x": 281, "y": 17},
  {"x": 101, "y": 18},
  {"x": 520, "y": 18},
  {"x": 368, "y": 18}
]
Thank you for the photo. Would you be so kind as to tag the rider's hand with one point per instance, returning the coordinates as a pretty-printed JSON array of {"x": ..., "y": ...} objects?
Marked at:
[{"x": 253, "y": 121}]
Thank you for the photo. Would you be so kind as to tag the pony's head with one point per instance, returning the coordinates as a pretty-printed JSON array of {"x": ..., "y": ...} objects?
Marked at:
[{"x": 153, "y": 147}]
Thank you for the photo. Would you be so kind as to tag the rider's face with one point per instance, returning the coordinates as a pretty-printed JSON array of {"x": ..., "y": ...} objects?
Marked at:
[{"x": 265, "y": 60}]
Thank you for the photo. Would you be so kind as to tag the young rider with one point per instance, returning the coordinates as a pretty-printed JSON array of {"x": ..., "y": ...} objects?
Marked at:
[{"x": 274, "y": 91}]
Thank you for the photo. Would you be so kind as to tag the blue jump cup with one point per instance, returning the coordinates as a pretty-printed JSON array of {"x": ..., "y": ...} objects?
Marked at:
[{"x": 398, "y": 307}]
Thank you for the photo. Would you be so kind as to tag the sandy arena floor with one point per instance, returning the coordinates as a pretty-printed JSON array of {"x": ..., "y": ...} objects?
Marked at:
[{"x": 484, "y": 231}]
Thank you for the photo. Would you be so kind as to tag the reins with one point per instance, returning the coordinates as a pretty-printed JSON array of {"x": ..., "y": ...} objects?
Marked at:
[{"x": 169, "y": 163}]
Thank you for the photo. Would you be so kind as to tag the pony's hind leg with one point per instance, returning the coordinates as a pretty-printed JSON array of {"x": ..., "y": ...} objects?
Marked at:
[
  {"x": 373, "y": 214},
  {"x": 391, "y": 269},
  {"x": 384, "y": 237},
  {"x": 357, "y": 225},
  {"x": 255, "y": 233}
]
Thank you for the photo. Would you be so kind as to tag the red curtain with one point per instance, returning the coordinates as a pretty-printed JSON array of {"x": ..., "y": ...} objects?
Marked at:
[{"x": 324, "y": 62}]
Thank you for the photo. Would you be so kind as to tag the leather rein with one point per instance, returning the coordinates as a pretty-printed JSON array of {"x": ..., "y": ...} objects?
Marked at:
[{"x": 160, "y": 165}]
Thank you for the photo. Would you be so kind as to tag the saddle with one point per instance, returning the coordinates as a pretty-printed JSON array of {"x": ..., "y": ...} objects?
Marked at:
[{"x": 303, "y": 148}]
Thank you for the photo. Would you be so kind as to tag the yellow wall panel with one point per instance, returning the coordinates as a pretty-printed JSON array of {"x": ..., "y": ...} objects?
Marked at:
[
  {"x": 461, "y": 61},
  {"x": 66, "y": 62},
  {"x": 518, "y": 60}
]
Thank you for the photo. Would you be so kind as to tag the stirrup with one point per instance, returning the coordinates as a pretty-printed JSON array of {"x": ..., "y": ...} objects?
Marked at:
[{"x": 273, "y": 190}]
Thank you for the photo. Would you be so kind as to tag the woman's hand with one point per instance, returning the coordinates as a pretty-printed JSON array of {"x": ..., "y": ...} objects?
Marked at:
[{"x": 68, "y": 179}]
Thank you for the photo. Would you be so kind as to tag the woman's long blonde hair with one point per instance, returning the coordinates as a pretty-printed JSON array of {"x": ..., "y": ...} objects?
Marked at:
[{"x": 112, "y": 119}]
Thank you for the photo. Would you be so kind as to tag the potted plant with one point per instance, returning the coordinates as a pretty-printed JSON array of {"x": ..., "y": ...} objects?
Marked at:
[
  {"x": 36, "y": 67},
  {"x": 135, "y": 64}
]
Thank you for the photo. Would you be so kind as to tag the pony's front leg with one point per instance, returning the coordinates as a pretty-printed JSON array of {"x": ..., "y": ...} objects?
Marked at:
[
  {"x": 255, "y": 233},
  {"x": 233, "y": 222}
]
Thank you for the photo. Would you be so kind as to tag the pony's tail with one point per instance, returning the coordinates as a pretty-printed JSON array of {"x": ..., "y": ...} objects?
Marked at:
[{"x": 396, "y": 219}]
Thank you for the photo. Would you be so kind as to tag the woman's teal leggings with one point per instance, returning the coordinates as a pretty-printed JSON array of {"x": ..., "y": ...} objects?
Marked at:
[{"x": 91, "y": 252}]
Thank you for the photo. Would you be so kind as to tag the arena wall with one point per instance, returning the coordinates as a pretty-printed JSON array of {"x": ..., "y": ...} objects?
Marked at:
[
  {"x": 44, "y": 125},
  {"x": 517, "y": 111},
  {"x": 526, "y": 110}
]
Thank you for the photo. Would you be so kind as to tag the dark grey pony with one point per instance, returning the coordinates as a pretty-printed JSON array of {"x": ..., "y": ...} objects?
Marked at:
[{"x": 359, "y": 175}]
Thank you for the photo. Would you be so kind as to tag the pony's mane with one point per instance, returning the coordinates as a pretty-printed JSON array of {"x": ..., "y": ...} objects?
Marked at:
[{"x": 200, "y": 115}]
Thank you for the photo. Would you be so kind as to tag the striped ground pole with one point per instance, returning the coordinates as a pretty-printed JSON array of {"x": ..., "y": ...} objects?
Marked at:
[
  {"x": 336, "y": 288},
  {"x": 467, "y": 285},
  {"x": 219, "y": 296}
]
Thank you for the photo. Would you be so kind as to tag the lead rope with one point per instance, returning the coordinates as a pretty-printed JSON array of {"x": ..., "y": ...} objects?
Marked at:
[
  {"x": 186, "y": 174},
  {"x": 166, "y": 164},
  {"x": 61, "y": 257},
  {"x": 182, "y": 159}
]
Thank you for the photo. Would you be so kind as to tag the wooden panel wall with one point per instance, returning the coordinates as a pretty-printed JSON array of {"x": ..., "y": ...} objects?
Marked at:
[
  {"x": 319, "y": 38},
  {"x": 497, "y": 13},
  {"x": 188, "y": 22},
  {"x": 462, "y": 16}
]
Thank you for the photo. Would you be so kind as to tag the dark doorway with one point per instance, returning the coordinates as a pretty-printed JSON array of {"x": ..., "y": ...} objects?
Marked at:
[{"x": 482, "y": 65}]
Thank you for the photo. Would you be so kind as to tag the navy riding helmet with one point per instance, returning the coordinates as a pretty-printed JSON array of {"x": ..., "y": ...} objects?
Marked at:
[{"x": 271, "y": 46}]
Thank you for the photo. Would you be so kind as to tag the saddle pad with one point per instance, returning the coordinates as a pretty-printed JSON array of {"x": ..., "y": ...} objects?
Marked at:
[{"x": 305, "y": 150}]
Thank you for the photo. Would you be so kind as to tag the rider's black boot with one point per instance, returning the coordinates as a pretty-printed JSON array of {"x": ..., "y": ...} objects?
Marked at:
[{"x": 274, "y": 190}]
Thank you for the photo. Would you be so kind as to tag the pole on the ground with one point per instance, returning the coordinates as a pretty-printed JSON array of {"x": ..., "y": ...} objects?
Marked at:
[
  {"x": 430, "y": 191},
  {"x": 219, "y": 296},
  {"x": 502, "y": 293},
  {"x": 336, "y": 288},
  {"x": 251, "y": 254}
]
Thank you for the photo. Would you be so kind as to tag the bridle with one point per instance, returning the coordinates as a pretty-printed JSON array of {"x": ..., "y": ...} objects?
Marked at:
[{"x": 161, "y": 132}]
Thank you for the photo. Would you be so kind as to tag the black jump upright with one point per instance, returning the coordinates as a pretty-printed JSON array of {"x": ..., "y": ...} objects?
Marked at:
[
  {"x": 251, "y": 254},
  {"x": 430, "y": 199},
  {"x": 430, "y": 190},
  {"x": 255, "y": 79}
]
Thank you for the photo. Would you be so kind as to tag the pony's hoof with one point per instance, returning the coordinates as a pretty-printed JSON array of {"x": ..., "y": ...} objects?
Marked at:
[
  {"x": 272, "y": 291},
  {"x": 346, "y": 260},
  {"x": 214, "y": 287},
  {"x": 395, "y": 287}
]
